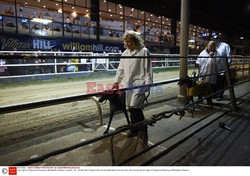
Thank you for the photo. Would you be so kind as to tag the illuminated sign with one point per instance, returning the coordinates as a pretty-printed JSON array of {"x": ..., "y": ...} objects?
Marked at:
[{"x": 24, "y": 42}]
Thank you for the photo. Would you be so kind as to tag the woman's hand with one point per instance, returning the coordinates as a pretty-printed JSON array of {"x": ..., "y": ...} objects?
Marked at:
[{"x": 211, "y": 54}]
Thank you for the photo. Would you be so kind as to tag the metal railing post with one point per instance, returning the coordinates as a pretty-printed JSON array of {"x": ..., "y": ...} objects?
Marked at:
[
  {"x": 243, "y": 67},
  {"x": 248, "y": 66},
  {"x": 93, "y": 63},
  {"x": 55, "y": 62},
  {"x": 107, "y": 63},
  {"x": 229, "y": 84},
  {"x": 185, "y": 9}
]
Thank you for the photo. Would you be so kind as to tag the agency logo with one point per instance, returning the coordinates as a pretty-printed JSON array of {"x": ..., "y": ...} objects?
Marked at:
[
  {"x": 93, "y": 87},
  {"x": 12, "y": 170},
  {"x": 4, "y": 170}
]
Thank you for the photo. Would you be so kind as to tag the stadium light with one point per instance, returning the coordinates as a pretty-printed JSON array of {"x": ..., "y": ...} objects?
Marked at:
[{"x": 38, "y": 20}]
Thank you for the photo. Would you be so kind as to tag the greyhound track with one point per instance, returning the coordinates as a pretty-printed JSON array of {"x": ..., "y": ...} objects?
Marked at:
[{"x": 19, "y": 126}]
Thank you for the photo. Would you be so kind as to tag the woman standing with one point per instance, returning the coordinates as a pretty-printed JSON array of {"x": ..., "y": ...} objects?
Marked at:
[
  {"x": 136, "y": 72},
  {"x": 207, "y": 64}
]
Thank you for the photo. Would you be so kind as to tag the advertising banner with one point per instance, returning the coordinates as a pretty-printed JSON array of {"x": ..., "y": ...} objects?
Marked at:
[{"x": 26, "y": 42}]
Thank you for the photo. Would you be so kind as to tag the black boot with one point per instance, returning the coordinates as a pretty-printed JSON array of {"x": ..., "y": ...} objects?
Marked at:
[
  {"x": 140, "y": 115},
  {"x": 136, "y": 117},
  {"x": 133, "y": 119}
]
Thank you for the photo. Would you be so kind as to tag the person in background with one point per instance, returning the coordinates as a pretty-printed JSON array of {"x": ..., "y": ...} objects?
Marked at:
[
  {"x": 136, "y": 72},
  {"x": 10, "y": 24},
  {"x": 37, "y": 69},
  {"x": 3, "y": 69},
  {"x": 15, "y": 70},
  {"x": 61, "y": 67},
  {"x": 207, "y": 65},
  {"x": 225, "y": 53},
  {"x": 50, "y": 68},
  {"x": 72, "y": 67},
  {"x": 137, "y": 28},
  {"x": 9, "y": 11},
  {"x": 111, "y": 33}
]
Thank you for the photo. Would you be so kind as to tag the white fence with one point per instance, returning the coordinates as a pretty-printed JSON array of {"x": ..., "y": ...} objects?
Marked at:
[
  {"x": 53, "y": 63},
  {"x": 58, "y": 62}
]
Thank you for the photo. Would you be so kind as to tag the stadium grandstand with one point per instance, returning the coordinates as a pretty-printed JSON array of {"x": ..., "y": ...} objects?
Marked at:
[{"x": 91, "y": 27}]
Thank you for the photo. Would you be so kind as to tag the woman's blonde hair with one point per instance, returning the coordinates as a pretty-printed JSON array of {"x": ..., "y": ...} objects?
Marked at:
[{"x": 134, "y": 37}]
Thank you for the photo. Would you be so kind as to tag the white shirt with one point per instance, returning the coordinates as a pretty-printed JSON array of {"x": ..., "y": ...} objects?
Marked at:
[
  {"x": 208, "y": 65},
  {"x": 225, "y": 51},
  {"x": 136, "y": 72}
]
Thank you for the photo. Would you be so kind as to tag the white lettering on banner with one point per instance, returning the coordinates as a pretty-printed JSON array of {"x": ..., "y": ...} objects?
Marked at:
[
  {"x": 43, "y": 44},
  {"x": 111, "y": 49},
  {"x": 97, "y": 47},
  {"x": 12, "y": 42},
  {"x": 100, "y": 48},
  {"x": 89, "y": 47}
]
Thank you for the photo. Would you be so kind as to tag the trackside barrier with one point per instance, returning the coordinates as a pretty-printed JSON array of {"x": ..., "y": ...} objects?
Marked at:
[
  {"x": 26, "y": 63},
  {"x": 153, "y": 119},
  {"x": 42, "y": 63}
]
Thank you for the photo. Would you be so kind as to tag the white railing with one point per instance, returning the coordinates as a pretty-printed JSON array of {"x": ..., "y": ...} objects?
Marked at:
[{"x": 53, "y": 62}]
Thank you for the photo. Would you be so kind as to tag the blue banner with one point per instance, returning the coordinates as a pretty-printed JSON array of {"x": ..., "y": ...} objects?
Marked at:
[{"x": 26, "y": 42}]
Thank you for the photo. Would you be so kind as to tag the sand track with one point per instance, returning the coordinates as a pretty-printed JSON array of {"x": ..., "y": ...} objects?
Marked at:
[{"x": 28, "y": 123}]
